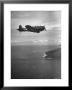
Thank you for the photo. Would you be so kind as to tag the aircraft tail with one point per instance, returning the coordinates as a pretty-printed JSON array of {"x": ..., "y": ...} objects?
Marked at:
[{"x": 20, "y": 26}]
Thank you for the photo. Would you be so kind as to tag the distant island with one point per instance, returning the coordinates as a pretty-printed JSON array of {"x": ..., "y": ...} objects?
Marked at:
[{"x": 53, "y": 54}]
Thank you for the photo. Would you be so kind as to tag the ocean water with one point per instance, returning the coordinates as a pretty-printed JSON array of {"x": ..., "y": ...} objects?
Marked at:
[{"x": 27, "y": 62}]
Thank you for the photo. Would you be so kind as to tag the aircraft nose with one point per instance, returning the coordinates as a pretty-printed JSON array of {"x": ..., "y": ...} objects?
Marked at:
[{"x": 45, "y": 29}]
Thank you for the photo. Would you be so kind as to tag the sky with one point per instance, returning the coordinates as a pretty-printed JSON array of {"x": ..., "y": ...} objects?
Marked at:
[{"x": 50, "y": 19}]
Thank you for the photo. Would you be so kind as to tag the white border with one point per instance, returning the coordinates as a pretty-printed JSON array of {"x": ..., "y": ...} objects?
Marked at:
[{"x": 7, "y": 45}]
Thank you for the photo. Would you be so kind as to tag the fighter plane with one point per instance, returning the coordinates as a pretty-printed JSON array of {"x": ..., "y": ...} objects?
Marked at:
[{"x": 36, "y": 29}]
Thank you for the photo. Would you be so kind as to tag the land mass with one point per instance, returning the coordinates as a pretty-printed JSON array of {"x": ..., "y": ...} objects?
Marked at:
[{"x": 53, "y": 54}]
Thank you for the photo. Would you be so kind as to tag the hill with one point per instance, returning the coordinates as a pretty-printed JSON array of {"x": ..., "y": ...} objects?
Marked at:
[{"x": 53, "y": 54}]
